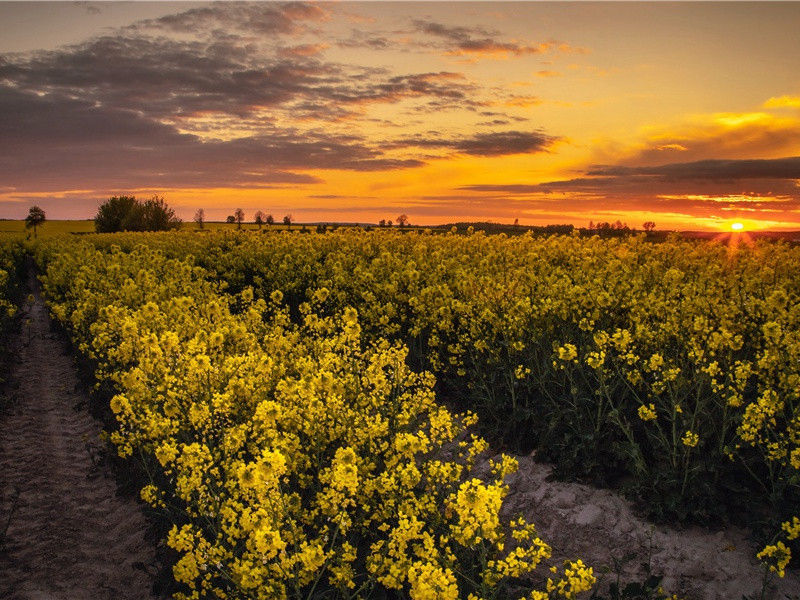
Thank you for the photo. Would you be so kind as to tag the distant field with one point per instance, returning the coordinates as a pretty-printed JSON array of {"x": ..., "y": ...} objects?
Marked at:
[{"x": 53, "y": 228}]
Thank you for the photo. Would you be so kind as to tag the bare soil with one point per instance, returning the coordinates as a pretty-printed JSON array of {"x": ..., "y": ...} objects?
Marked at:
[
  {"x": 70, "y": 535},
  {"x": 599, "y": 526}
]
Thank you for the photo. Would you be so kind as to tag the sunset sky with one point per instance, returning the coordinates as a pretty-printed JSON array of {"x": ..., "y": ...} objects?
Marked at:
[{"x": 686, "y": 114}]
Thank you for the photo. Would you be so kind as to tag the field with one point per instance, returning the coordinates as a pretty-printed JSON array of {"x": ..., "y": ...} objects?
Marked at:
[
  {"x": 56, "y": 227},
  {"x": 320, "y": 416}
]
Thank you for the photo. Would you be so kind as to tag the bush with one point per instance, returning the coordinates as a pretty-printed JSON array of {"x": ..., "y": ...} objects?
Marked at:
[{"x": 126, "y": 213}]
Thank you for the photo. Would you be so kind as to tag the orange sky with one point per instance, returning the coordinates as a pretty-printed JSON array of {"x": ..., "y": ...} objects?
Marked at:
[{"x": 686, "y": 114}]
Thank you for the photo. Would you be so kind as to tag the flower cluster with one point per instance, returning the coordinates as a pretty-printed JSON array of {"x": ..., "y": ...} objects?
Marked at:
[
  {"x": 295, "y": 456},
  {"x": 677, "y": 361}
]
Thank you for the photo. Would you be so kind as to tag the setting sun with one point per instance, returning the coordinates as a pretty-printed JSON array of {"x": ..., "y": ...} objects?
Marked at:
[{"x": 737, "y": 226}]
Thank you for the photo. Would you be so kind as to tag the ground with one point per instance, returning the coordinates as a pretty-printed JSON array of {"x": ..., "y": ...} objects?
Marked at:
[{"x": 70, "y": 536}]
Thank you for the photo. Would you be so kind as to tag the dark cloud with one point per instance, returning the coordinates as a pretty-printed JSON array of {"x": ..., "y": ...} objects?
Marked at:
[
  {"x": 53, "y": 142},
  {"x": 265, "y": 18},
  {"x": 777, "y": 168},
  {"x": 362, "y": 39},
  {"x": 164, "y": 78},
  {"x": 764, "y": 188},
  {"x": 498, "y": 143},
  {"x": 479, "y": 42}
]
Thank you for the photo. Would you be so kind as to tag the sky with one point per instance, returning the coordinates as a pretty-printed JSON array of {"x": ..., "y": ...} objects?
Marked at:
[{"x": 686, "y": 114}]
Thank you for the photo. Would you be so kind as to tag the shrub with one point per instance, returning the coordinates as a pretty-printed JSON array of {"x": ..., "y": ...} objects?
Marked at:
[{"x": 126, "y": 213}]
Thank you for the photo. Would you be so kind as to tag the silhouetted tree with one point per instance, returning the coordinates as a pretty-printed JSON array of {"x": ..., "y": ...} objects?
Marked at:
[
  {"x": 230, "y": 219},
  {"x": 239, "y": 214},
  {"x": 389, "y": 223},
  {"x": 34, "y": 219},
  {"x": 112, "y": 214},
  {"x": 126, "y": 213},
  {"x": 156, "y": 215},
  {"x": 259, "y": 218},
  {"x": 649, "y": 226},
  {"x": 269, "y": 220},
  {"x": 402, "y": 220},
  {"x": 382, "y": 223},
  {"x": 287, "y": 220},
  {"x": 200, "y": 217}
]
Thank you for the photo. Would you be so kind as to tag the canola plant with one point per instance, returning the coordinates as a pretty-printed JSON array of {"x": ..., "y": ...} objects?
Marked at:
[{"x": 275, "y": 385}]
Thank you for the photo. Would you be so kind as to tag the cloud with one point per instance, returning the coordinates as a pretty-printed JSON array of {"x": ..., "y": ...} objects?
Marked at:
[
  {"x": 768, "y": 187},
  {"x": 477, "y": 42},
  {"x": 55, "y": 142},
  {"x": 500, "y": 143},
  {"x": 783, "y": 102},
  {"x": 303, "y": 50},
  {"x": 720, "y": 136},
  {"x": 262, "y": 18},
  {"x": 714, "y": 169}
]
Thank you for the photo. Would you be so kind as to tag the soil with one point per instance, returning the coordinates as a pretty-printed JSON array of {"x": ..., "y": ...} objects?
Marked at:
[
  {"x": 599, "y": 526},
  {"x": 70, "y": 535}
]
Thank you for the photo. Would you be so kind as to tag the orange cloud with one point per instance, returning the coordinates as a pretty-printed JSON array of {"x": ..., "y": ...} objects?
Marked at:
[{"x": 783, "y": 102}]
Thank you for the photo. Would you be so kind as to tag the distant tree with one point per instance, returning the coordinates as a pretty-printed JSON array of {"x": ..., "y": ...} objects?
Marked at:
[
  {"x": 382, "y": 223},
  {"x": 287, "y": 220},
  {"x": 126, "y": 213},
  {"x": 402, "y": 220},
  {"x": 389, "y": 223},
  {"x": 200, "y": 217},
  {"x": 230, "y": 219},
  {"x": 156, "y": 215},
  {"x": 112, "y": 214},
  {"x": 239, "y": 214},
  {"x": 258, "y": 218},
  {"x": 649, "y": 226},
  {"x": 269, "y": 220},
  {"x": 34, "y": 219},
  {"x": 591, "y": 225},
  {"x": 516, "y": 222}
]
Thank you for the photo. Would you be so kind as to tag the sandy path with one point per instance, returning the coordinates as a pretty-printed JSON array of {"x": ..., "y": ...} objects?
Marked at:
[
  {"x": 71, "y": 537},
  {"x": 599, "y": 525}
]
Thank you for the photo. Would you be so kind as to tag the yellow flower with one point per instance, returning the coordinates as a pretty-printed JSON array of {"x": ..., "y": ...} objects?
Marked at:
[
  {"x": 647, "y": 412},
  {"x": 776, "y": 557},
  {"x": 690, "y": 439}
]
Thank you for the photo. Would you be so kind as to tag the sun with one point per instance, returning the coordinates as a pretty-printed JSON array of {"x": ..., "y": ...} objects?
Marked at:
[{"x": 737, "y": 226}]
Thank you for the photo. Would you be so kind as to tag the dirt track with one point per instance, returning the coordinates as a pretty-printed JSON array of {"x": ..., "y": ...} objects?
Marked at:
[{"x": 71, "y": 537}]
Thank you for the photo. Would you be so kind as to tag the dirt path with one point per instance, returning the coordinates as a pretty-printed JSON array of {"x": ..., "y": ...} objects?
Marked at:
[
  {"x": 600, "y": 526},
  {"x": 71, "y": 537}
]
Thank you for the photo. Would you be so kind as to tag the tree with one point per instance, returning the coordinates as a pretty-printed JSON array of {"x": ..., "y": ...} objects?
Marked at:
[
  {"x": 287, "y": 220},
  {"x": 34, "y": 219},
  {"x": 126, "y": 213},
  {"x": 649, "y": 226},
  {"x": 230, "y": 219},
  {"x": 200, "y": 217},
  {"x": 239, "y": 214},
  {"x": 259, "y": 218},
  {"x": 269, "y": 220},
  {"x": 156, "y": 215},
  {"x": 402, "y": 220},
  {"x": 382, "y": 223},
  {"x": 112, "y": 214}
]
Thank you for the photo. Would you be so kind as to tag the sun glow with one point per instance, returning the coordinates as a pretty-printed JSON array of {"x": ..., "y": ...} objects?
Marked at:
[{"x": 737, "y": 226}]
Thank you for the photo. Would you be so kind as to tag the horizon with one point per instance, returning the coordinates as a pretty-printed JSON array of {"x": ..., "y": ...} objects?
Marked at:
[{"x": 685, "y": 114}]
